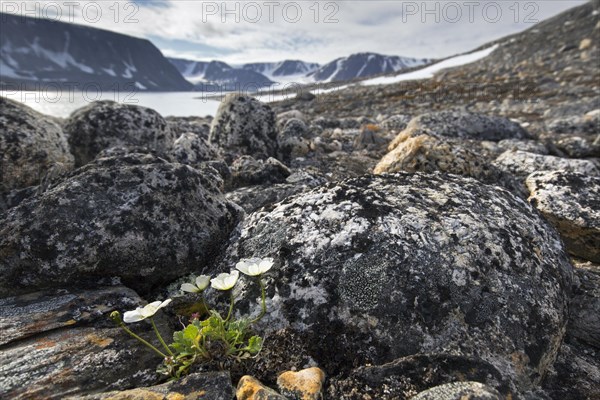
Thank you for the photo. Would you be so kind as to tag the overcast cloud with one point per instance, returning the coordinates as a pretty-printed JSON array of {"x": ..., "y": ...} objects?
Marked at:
[{"x": 251, "y": 31}]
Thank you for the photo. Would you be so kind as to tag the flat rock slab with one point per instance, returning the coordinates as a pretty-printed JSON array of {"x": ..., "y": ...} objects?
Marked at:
[
  {"x": 199, "y": 386},
  {"x": 35, "y": 313},
  {"x": 571, "y": 201},
  {"x": 60, "y": 344}
]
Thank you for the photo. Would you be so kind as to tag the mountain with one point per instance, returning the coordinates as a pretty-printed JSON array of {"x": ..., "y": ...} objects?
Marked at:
[
  {"x": 218, "y": 75},
  {"x": 38, "y": 53},
  {"x": 285, "y": 68},
  {"x": 362, "y": 65}
]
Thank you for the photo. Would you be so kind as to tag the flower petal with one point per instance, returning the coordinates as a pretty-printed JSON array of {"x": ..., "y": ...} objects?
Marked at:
[
  {"x": 164, "y": 303},
  {"x": 188, "y": 287},
  {"x": 202, "y": 281},
  {"x": 133, "y": 316}
]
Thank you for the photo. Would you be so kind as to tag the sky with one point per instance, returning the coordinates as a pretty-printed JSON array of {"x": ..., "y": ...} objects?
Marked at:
[{"x": 317, "y": 31}]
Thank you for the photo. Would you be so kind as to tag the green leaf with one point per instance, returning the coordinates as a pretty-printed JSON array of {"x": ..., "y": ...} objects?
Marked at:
[{"x": 255, "y": 344}]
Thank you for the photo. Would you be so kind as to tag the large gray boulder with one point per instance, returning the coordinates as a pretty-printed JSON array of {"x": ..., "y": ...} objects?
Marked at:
[
  {"x": 571, "y": 201},
  {"x": 244, "y": 126},
  {"x": 30, "y": 144},
  {"x": 137, "y": 217},
  {"x": 105, "y": 124},
  {"x": 380, "y": 267}
]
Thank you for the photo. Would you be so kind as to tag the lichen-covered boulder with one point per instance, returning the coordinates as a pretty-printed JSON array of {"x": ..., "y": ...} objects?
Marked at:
[
  {"x": 105, "y": 124},
  {"x": 571, "y": 202},
  {"x": 61, "y": 343},
  {"x": 192, "y": 149},
  {"x": 380, "y": 267},
  {"x": 137, "y": 217},
  {"x": 461, "y": 125},
  {"x": 522, "y": 163},
  {"x": 244, "y": 126},
  {"x": 30, "y": 144}
]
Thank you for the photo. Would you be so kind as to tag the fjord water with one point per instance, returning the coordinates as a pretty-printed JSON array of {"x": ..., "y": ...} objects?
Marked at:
[{"x": 62, "y": 104}]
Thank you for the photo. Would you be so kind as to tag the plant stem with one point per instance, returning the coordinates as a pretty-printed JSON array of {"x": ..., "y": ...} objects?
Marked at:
[
  {"x": 160, "y": 339},
  {"x": 263, "y": 310},
  {"x": 206, "y": 310},
  {"x": 133, "y": 335},
  {"x": 230, "y": 306}
]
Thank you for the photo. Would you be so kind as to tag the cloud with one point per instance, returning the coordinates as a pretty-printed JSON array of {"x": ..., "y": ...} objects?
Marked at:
[{"x": 246, "y": 31}]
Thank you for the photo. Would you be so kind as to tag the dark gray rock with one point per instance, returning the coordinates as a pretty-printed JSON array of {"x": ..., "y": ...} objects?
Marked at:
[
  {"x": 588, "y": 123},
  {"x": 105, "y": 124},
  {"x": 404, "y": 378},
  {"x": 246, "y": 171},
  {"x": 578, "y": 146},
  {"x": 531, "y": 146},
  {"x": 576, "y": 373},
  {"x": 369, "y": 138},
  {"x": 293, "y": 140},
  {"x": 30, "y": 144},
  {"x": 56, "y": 344},
  {"x": 251, "y": 198},
  {"x": 460, "y": 391},
  {"x": 138, "y": 218},
  {"x": 200, "y": 386},
  {"x": 522, "y": 163},
  {"x": 396, "y": 123},
  {"x": 570, "y": 201},
  {"x": 244, "y": 126},
  {"x": 461, "y": 125},
  {"x": 584, "y": 310},
  {"x": 377, "y": 268}
]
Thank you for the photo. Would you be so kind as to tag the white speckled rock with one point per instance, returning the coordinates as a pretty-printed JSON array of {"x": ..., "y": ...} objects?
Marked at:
[
  {"x": 105, "y": 124},
  {"x": 30, "y": 144},
  {"x": 192, "y": 149},
  {"x": 244, "y": 126},
  {"x": 522, "y": 163},
  {"x": 571, "y": 202},
  {"x": 380, "y": 267},
  {"x": 136, "y": 217}
]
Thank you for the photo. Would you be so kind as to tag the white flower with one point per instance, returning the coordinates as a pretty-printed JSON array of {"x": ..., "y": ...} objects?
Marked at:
[
  {"x": 225, "y": 281},
  {"x": 201, "y": 283},
  {"x": 254, "y": 266},
  {"x": 147, "y": 311}
]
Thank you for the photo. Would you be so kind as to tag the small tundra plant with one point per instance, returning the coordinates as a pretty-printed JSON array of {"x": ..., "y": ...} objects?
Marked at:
[{"x": 215, "y": 337}]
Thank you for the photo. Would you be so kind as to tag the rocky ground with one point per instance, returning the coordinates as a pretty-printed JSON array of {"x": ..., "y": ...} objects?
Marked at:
[{"x": 432, "y": 239}]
